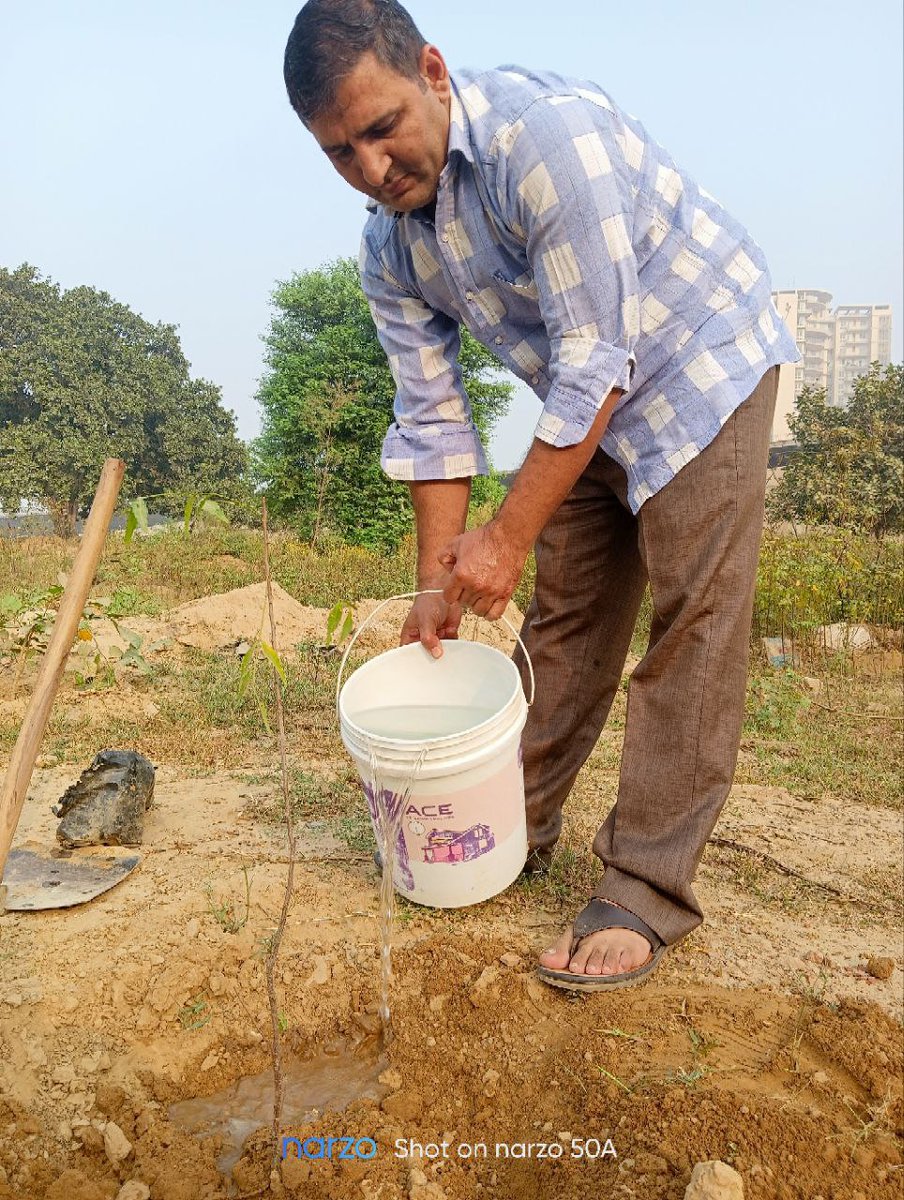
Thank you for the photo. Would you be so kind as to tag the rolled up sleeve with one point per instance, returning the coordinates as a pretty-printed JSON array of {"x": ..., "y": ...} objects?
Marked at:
[
  {"x": 433, "y": 435},
  {"x": 562, "y": 178}
]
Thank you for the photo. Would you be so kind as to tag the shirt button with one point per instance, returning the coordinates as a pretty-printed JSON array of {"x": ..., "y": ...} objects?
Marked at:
[
  {"x": 445, "y": 237},
  {"x": 535, "y": 379},
  {"x": 469, "y": 295},
  {"x": 499, "y": 341}
]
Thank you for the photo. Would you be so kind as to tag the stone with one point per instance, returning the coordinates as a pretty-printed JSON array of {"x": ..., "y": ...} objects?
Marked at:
[
  {"x": 135, "y": 1189},
  {"x": 404, "y": 1106},
  {"x": 391, "y": 1078},
  {"x": 714, "y": 1181},
  {"x": 117, "y": 1146},
  {"x": 193, "y": 928},
  {"x": 295, "y": 1175},
  {"x": 880, "y": 967},
  {"x": 510, "y": 959},
  {"x": 106, "y": 805},
  {"x": 217, "y": 984},
  {"x": 322, "y": 972}
]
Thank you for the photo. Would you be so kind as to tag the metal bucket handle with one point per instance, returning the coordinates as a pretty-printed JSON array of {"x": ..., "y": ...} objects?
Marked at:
[{"x": 413, "y": 596}]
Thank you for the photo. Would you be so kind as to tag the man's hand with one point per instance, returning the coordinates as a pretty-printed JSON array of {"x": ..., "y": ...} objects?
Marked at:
[
  {"x": 431, "y": 618},
  {"x": 485, "y": 566}
]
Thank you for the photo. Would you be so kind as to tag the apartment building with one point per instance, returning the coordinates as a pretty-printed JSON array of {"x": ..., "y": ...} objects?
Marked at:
[{"x": 835, "y": 346}]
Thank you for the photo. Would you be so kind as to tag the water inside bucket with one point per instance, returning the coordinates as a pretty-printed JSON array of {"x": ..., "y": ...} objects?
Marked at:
[{"x": 419, "y": 723}]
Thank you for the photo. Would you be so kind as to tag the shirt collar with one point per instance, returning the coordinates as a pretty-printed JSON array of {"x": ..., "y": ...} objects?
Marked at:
[{"x": 459, "y": 143}]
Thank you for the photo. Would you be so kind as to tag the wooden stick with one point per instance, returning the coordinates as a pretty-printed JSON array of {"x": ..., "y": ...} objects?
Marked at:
[{"x": 25, "y": 751}]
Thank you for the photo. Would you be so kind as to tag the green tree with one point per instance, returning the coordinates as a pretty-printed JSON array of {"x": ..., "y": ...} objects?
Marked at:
[
  {"x": 849, "y": 468},
  {"x": 327, "y": 402},
  {"x": 82, "y": 378}
]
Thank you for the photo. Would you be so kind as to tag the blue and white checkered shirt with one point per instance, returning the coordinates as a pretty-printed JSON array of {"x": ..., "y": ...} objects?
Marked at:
[{"x": 568, "y": 242}]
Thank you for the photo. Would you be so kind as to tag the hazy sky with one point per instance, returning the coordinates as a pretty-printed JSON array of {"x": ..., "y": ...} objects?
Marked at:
[{"x": 148, "y": 149}]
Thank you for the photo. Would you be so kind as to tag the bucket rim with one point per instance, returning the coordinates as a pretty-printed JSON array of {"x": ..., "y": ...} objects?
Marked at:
[
  {"x": 415, "y": 647},
  {"x": 463, "y": 739}
]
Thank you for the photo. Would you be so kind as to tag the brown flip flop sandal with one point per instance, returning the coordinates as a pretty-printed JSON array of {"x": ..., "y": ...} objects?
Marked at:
[{"x": 599, "y": 915}]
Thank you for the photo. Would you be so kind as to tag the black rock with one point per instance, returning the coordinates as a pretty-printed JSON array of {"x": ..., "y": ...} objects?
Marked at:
[{"x": 106, "y": 806}]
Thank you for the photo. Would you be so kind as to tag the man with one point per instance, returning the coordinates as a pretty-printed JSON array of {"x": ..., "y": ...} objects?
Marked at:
[{"x": 532, "y": 210}]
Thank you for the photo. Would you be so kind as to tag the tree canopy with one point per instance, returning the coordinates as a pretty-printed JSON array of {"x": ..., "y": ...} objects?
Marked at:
[
  {"x": 326, "y": 404},
  {"x": 82, "y": 377},
  {"x": 849, "y": 468}
]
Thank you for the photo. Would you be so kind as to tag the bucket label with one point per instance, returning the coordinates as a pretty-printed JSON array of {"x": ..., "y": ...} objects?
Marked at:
[{"x": 456, "y": 827}]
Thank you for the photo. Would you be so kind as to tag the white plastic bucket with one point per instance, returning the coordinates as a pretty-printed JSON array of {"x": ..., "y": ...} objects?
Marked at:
[{"x": 463, "y": 836}]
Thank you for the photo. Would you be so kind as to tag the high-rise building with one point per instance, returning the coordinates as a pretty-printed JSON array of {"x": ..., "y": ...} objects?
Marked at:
[
  {"x": 835, "y": 348},
  {"x": 862, "y": 336}
]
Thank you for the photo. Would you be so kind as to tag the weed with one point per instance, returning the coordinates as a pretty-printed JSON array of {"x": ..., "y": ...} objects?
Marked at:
[
  {"x": 620, "y": 1033},
  {"x": 194, "y": 1015},
  {"x": 689, "y": 1078},
  {"x": 356, "y": 831},
  {"x": 700, "y": 1043},
  {"x": 878, "y": 1119},
  {"x": 774, "y": 702},
  {"x": 225, "y": 912},
  {"x": 620, "y": 1083}
]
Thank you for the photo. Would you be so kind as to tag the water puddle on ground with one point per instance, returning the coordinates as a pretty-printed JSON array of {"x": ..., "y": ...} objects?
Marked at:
[
  {"x": 331, "y": 1080},
  {"x": 334, "y": 1078}
]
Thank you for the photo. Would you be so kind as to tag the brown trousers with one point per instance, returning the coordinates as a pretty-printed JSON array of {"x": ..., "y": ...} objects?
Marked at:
[{"x": 697, "y": 542}]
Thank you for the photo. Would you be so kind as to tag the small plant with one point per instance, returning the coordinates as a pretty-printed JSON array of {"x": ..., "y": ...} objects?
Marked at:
[
  {"x": 198, "y": 509},
  {"x": 194, "y": 1014},
  {"x": 225, "y": 912},
  {"x": 339, "y": 624},
  {"x": 774, "y": 702},
  {"x": 692, "y": 1077},
  {"x": 249, "y": 678}
]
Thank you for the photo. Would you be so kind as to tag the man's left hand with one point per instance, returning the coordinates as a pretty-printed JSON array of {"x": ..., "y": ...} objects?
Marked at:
[{"x": 485, "y": 566}]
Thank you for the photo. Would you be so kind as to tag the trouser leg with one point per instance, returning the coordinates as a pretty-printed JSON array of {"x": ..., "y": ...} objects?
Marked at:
[
  {"x": 699, "y": 540},
  {"x": 577, "y": 630}
]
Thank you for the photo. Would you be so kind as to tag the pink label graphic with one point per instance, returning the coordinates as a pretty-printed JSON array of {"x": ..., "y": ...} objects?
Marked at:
[{"x": 457, "y": 826}]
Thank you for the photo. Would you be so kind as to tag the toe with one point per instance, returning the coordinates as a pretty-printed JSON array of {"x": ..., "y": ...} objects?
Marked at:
[{"x": 556, "y": 957}]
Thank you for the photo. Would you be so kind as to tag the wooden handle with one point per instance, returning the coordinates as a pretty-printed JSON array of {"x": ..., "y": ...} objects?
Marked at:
[{"x": 21, "y": 764}]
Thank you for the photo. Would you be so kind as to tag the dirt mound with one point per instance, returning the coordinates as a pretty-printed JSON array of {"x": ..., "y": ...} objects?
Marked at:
[
  {"x": 222, "y": 621},
  {"x": 227, "y": 619}
]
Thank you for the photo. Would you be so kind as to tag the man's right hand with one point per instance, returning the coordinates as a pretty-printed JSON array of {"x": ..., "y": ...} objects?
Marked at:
[{"x": 430, "y": 620}]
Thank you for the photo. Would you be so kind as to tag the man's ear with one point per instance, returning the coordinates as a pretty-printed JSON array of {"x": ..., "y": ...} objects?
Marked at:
[{"x": 433, "y": 70}]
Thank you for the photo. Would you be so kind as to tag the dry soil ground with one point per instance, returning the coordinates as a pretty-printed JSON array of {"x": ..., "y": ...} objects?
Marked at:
[{"x": 770, "y": 1039}]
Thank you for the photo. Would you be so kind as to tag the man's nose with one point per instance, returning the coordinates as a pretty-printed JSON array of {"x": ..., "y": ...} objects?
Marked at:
[{"x": 374, "y": 163}]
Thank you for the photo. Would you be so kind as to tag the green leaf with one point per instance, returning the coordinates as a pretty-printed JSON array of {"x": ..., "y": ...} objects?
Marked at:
[
  {"x": 210, "y": 510},
  {"x": 275, "y": 660},
  {"x": 189, "y": 509},
  {"x": 246, "y": 669},
  {"x": 333, "y": 619},
  {"x": 136, "y": 517},
  {"x": 347, "y": 626}
]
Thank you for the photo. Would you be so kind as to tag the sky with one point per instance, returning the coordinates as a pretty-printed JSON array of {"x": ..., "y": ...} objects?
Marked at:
[{"x": 148, "y": 149}]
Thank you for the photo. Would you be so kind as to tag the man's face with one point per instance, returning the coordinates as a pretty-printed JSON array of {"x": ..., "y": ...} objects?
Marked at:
[{"x": 387, "y": 135}]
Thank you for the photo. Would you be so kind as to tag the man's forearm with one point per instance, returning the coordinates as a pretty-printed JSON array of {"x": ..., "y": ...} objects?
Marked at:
[
  {"x": 545, "y": 478},
  {"x": 441, "y": 510}
]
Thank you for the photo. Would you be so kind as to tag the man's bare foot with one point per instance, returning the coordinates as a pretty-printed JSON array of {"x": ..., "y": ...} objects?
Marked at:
[{"x": 607, "y": 952}]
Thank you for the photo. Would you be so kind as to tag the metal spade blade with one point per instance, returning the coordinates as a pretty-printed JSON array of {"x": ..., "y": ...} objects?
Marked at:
[{"x": 36, "y": 878}]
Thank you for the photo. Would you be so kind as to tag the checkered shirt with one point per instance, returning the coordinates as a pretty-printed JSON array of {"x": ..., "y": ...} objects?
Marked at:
[{"x": 568, "y": 242}]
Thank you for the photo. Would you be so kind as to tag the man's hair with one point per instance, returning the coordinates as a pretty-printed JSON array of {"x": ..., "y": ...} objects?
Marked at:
[{"x": 330, "y": 36}]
